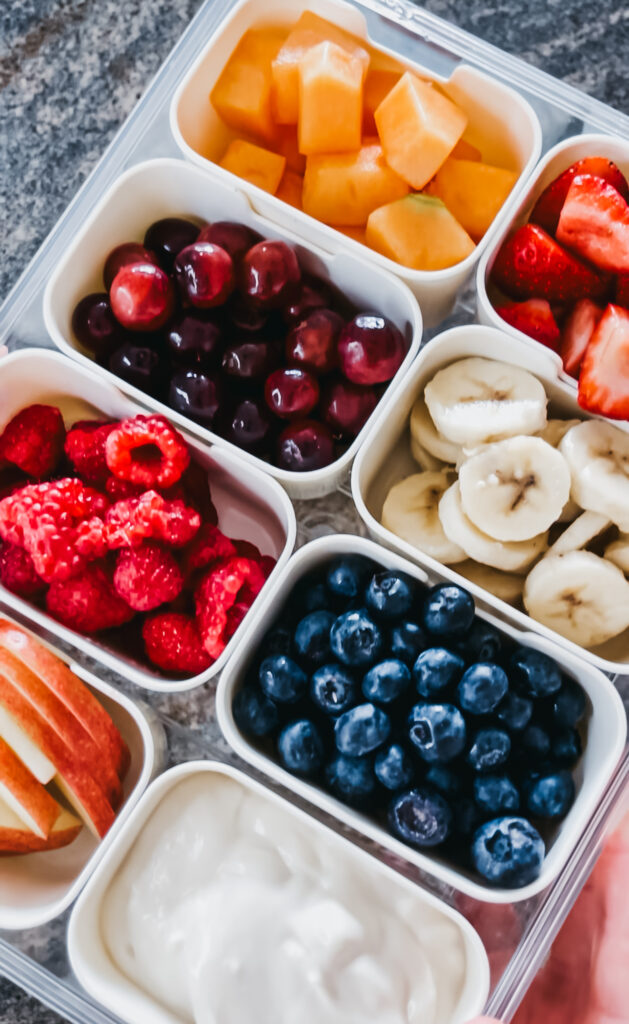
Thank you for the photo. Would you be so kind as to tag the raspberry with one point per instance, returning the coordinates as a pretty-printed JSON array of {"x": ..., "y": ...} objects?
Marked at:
[
  {"x": 196, "y": 487},
  {"x": 17, "y": 572},
  {"x": 131, "y": 521},
  {"x": 217, "y": 593},
  {"x": 119, "y": 490},
  {"x": 33, "y": 440},
  {"x": 88, "y": 602},
  {"x": 147, "y": 450},
  {"x": 147, "y": 576},
  {"x": 248, "y": 550},
  {"x": 85, "y": 448},
  {"x": 172, "y": 642},
  {"x": 208, "y": 546},
  {"x": 267, "y": 564},
  {"x": 235, "y": 616}
]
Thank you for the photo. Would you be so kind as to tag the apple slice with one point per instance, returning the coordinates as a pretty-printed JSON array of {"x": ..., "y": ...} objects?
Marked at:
[
  {"x": 28, "y": 752},
  {"x": 15, "y": 838},
  {"x": 69, "y": 689},
  {"x": 26, "y": 797}
]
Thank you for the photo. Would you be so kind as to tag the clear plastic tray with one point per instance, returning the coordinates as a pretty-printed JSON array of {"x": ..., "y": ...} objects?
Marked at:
[{"x": 517, "y": 937}]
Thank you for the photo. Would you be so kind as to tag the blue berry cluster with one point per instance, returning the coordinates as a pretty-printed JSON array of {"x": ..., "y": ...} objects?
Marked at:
[{"x": 400, "y": 701}]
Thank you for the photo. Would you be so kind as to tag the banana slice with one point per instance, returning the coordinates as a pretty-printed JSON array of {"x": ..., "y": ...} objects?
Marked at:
[
  {"x": 411, "y": 512},
  {"x": 598, "y": 456},
  {"x": 477, "y": 400},
  {"x": 426, "y": 434},
  {"x": 555, "y": 430},
  {"x": 583, "y": 597},
  {"x": 505, "y": 585},
  {"x": 510, "y": 557},
  {"x": 585, "y": 528},
  {"x": 515, "y": 489},
  {"x": 424, "y": 459},
  {"x": 618, "y": 552},
  {"x": 569, "y": 512}
]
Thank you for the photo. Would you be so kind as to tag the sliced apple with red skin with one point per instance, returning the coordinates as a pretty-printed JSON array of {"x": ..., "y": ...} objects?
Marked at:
[
  {"x": 28, "y": 752},
  {"x": 71, "y": 690},
  {"x": 24, "y": 795},
  {"x": 16, "y": 838}
]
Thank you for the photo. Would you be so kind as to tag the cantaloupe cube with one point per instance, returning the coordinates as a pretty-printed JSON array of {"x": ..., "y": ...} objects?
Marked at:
[
  {"x": 259, "y": 166},
  {"x": 330, "y": 100},
  {"x": 343, "y": 188},
  {"x": 464, "y": 150},
  {"x": 473, "y": 192},
  {"x": 291, "y": 187},
  {"x": 418, "y": 232},
  {"x": 358, "y": 234},
  {"x": 242, "y": 94},
  {"x": 418, "y": 129},
  {"x": 286, "y": 143},
  {"x": 308, "y": 32}
]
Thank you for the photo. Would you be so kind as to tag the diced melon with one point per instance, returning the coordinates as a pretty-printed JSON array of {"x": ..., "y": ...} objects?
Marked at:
[
  {"x": 358, "y": 234},
  {"x": 473, "y": 192},
  {"x": 286, "y": 143},
  {"x": 308, "y": 32},
  {"x": 378, "y": 84},
  {"x": 464, "y": 150},
  {"x": 242, "y": 94},
  {"x": 253, "y": 163},
  {"x": 330, "y": 100},
  {"x": 291, "y": 187},
  {"x": 343, "y": 188},
  {"x": 418, "y": 128},
  {"x": 418, "y": 232}
]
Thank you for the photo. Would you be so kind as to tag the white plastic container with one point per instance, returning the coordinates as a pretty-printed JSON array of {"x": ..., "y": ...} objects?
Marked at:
[
  {"x": 250, "y": 505},
  {"x": 162, "y": 188},
  {"x": 386, "y": 458},
  {"x": 607, "y": 726},
  {"x": 36, "y": 887},
  {"x": 106, "y": 983},
  {"x": 557, "y": 160},
  {"x": 501, "y": 122}
]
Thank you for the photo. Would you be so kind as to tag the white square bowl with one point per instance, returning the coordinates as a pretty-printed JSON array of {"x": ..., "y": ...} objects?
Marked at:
[
  {"x": 607, "y": 726},
  {"x": 501, "y": 123},
  {"x": 106, "y": 983},
  {"x": 36, "y": 887},
  {"x": 163, "y": 188},
  {"x": 250, "y": 504}
]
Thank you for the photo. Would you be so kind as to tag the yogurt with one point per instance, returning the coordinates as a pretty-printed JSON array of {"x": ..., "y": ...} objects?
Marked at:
[{"x": 228, "y": 909}]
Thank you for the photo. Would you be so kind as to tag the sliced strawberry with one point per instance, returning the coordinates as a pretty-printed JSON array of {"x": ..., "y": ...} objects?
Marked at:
[
  {"x": 533, "y": 317},
  {"x": 548, "y": 207},
  {"x": 576, "y": 334},
  {"x": 622, "y": 290},
  {"x": 604, "y": 379},
  {"x": 531, "y": 265},
  {"x": 594, "y": 222}
]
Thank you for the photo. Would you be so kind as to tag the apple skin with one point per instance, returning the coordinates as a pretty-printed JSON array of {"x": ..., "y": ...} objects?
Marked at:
[
  {"x": 16, "y": 839},
  {"x": 38, "y": 810}
]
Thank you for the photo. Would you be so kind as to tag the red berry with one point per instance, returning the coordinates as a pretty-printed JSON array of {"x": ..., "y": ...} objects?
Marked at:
[
  {"x": 151, "y": 516},
  {"x": 371, "y": 349},
  {"x": 532, "y": 265},
  {"x": 142, "y": 297},
  {"x": 147, "y": 450},
  {"x": 147, "y": 576},
  {"x": 173, "y": 643},
  {"x": 547, "y": 209},
  {"x": 594, "y": 222},
  {"x": 533, "y": 317},
  {"x": 604, "y": 377},
  {"x": 88, "y": 602},
  {"x": 122, "y": 256},
  {"x": 622, "y": 290},
  {"x": 576, "y": 334},
  {"x": 33, "y": 440},
  {"x": 269, "y": 274},
  {"x": 204, "y": 274},
  {"x": 17, "y": 572},
  {"x": 85, "y": 449},
  {"x": 346, "y": 407},
  {"x": 291, "y": 392},
  {"x": 311, "y": 344},
  {"x": 208, "y": 546},
  {"x": 196, "y": 487},
  {"x": 217, "y": 593}
]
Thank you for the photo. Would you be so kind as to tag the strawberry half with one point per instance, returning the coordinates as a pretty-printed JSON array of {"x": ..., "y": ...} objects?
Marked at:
[
  {"x": 622, "y": 290},
  {"x": 532, "y": 265},
  {"x": 604, "y": 379},
  {"x": 533, "y": 317},
  {"x": 576, "y": 334},
  {"x": 548, "y": 207},
  {"x": 594, "y": 222}
]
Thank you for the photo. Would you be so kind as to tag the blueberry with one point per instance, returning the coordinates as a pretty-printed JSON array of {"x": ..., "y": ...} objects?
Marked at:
[
  {"x": 281, "y": 679},
  {"x": 332, "y": 689},
  {"x": 490, "y": 748},
  {"x": 345, "y": 577},
  {"x": 435, "y": 670},
  {"x": 566, "y": 748},
  {"x": 550, "y": 796},
  {"x": 407, "y": 641},
  {"x": 394, "y": 766},
  {"x": 445, "y": 780},
  {"x": 482, "y": 687},
  {"x": 389, "y": 595},
  {"x": 355, "y": 639},
  {"x": 535, "y": 743},
  {"x": 420, "y": 817},
  {"x": 361, "y": 729},
  {"x": 537, "y": 674},
  {"x": 448, "y": 610},
  {"x": 496, "y": 794},
  {"x": 278, "y": 641},
  {"x": 482, "y": 642},
  {"x": 315, "y": 598},
  {"x": 467, "y": 816},
  {"x": 568, "y": 705},
  {"x": 312, "y": 637},
  {"x": 254, "y": 713},
  {"x": 437, "y": 731},
  {"x": 515, "y": 712},
  {"x": 351, "y": 779},
  {"x": 301, "y": 748},
  {"x": 386, "y": 681},
  {"x": 508, "y": 852}
]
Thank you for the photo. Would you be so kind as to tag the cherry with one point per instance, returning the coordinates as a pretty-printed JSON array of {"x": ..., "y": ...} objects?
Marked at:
[
  {"x": 371, "y": 349},
  {"x": 167, "y": 237},
  {"x": 291, "y": 392},
  {"x": 243, "y": 316},
  {"x": 142, "y": 297},
  {"x": 196, "y": 395},
  {"x": 234, "y": 238},
  {"x": 247, "y": 360},
  {"x": 346, "y": 407},
  {"x": 305, "y": 445},
  {"x": 95, "y": 326},
  {"x": 312, "y": 343},
  {"x": 312, "y": 294},
  {"x": 204, "y": 274},
  {"x": 140, "y": 366},
  {"x": 269, "y": 274},
  {"x": 195, "y": 339},
  {"x": 122, "y": 255},
  {"x": 249, "y": 425}
]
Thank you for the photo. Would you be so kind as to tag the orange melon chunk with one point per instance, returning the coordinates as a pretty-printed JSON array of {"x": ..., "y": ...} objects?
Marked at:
[
  {"x": 473, "y": 192},
  {"x": 330, "y": 100},
  {"x": 464, "y": 150},
  {"x": 418, "y": 232},
  {"x": 343, "y": 188},
  {"x": 418, "y": 129},
  {"x": 290, "y": 189},
  {"x": 242, "y": 94},
  {"x": 259, "y": 166},
  {"x": 358, "y": 234},
  {"x": 378, "y": 84},
  {"x": 286, "y": 144},
  {"x": 308, "y": 32}
]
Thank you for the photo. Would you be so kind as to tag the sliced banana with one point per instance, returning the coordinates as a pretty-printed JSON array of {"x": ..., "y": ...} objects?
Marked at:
[
  {"x": 618, "y": 552},
  {"x": 598, "y": 456},
  {"x": 509, "y": 556},
  {"x": 583, "y": 597},
  {"x": 515, "y": 489},
  {"x": 424, "y": 459},
  {"x": 585, "y": 528},
  {"x": 507, "y": 586},
  {"x": 555, "y": 430},
  {"x": 426, "y": 434},
  {"x": 569, "y": 512},
  {"x": 477, "y": 400},
  {"x": 411, "y": 512}
]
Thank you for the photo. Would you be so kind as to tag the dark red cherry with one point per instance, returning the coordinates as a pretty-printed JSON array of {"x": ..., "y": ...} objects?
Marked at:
[
  {"x": 291, "y": 392},
  {"x": 244, "y": 317},
  {"x": 167, "y": 237},
  {"x": 313, "y": 293},
  {"x": 269, "y": 274},
  {"x": 142, "y": 297},
  {"x": 195, "y": 339},
  {"x": 196, "y": 395},
  {"x": 247, "y": 361},
  {"x": 346, "y": 407},
  {"x": 234, "y": 238},
  {"x": 305, "y": 445},
  {"x": 371, "y": 349},
  {"x": 204, "y": 274},
  {"x": 311, "y": 344},
  {"x": 249, "y": 425},
  {"x": 122, "y": 255},
  {"x": 139, "y": 366},
  {"x": 95, "y": 326}
]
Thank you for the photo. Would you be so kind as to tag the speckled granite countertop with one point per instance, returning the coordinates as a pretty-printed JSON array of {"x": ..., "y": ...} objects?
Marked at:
[{"x": 71, "y": 70}]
